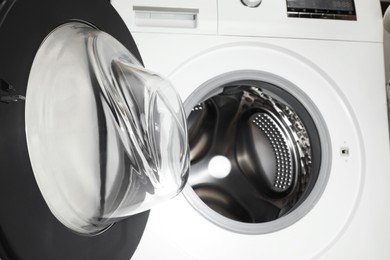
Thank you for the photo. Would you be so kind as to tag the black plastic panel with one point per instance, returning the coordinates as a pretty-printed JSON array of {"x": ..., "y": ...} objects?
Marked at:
[
  {"x": 384, "y": 5},
  {"x": 5, "y": 6}
]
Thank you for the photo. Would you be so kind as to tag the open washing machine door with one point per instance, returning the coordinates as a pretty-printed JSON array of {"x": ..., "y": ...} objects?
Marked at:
[
  {"x": 89, "y": 139},
  {"x": 106, "y": 138}
]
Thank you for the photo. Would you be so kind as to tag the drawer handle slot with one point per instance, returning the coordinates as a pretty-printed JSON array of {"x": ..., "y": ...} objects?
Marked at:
[{"x": 146, "y": 16}]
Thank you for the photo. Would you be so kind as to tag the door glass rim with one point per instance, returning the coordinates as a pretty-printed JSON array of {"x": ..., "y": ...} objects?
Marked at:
[{"x": 216, "y": 86}]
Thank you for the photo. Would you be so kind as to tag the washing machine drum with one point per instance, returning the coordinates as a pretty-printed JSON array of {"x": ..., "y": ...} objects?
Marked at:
[{"x": 84, "y": 135}]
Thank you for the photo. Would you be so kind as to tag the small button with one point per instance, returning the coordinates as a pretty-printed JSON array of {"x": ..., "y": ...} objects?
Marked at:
[
  {"x": 251, "y": 3},
  {"x": 293, "y": 14},
  {"x": 316, "y": 15}
]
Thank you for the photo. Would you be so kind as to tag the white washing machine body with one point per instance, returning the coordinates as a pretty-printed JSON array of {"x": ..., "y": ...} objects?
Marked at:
[{"x": 334, "y": 67}]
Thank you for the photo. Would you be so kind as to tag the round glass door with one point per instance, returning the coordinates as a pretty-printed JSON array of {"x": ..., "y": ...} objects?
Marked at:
[{"x": 106, "y": 137}]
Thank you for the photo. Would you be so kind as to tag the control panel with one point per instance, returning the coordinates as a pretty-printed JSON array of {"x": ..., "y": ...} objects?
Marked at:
[
  {"x": 309, "y": 19},
  {"x": 322, "y": 9}
]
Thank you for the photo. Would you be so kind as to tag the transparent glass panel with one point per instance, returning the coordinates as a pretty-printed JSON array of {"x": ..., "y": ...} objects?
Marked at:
[{"x": 106, "y": 137}]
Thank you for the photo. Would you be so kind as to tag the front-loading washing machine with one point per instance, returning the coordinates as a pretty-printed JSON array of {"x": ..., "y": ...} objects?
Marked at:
[
  {"x": 287, "y": 122},
  {"x": 286, "y": 119}
]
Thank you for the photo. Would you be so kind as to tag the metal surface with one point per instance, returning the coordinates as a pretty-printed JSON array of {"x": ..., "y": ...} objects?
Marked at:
[{"x": 269, "y": 151}]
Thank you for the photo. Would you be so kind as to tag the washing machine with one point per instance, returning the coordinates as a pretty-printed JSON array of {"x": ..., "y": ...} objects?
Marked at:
[{"x": 286, "y": 113}]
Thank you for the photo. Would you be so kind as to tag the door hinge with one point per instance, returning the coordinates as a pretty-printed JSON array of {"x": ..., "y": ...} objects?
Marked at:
[{"x": 7, "y": 93}]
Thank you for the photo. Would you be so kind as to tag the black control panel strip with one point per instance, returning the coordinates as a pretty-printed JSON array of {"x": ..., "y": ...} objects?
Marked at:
[{"x": 321, "y": 14}]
